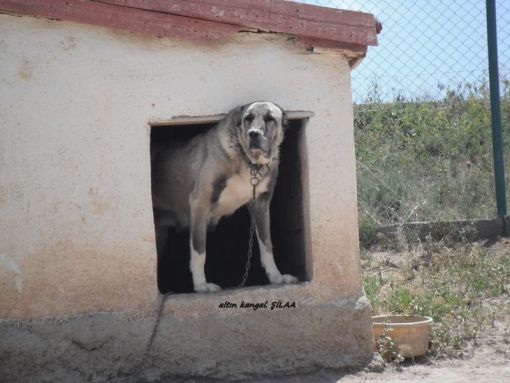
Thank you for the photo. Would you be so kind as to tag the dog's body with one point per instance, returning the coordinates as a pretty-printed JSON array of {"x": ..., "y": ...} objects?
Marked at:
[{"x": 195, "y": 183}]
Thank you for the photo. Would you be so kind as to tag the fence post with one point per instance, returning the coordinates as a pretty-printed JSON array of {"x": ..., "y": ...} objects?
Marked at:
[{"x": 497, "y": 144}]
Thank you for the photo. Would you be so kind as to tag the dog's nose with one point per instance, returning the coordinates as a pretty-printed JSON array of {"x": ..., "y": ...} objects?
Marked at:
[{"x": 254, "y": 134}]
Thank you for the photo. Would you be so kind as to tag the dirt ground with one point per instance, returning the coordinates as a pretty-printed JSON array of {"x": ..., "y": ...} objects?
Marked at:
[
  {"x": 484, "y": 360},
  {"x": 486, "y": 365}
]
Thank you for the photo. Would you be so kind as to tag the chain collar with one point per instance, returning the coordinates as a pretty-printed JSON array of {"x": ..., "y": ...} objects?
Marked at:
[{"x": 256, "y": 175}]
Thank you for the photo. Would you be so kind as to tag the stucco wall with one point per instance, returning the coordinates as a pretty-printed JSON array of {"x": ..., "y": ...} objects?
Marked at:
[
  {"x": 75, "y": 202},
  {"x": 77, "y": 231}
]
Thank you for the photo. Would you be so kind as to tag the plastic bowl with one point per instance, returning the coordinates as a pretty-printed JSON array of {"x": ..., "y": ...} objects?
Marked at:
[{"x": 410, "y": 333}]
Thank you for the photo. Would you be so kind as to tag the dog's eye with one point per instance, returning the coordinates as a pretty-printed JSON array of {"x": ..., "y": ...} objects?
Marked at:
[
  {"x": 269, "y": 119},
  {"x": 249, "y": 118}
]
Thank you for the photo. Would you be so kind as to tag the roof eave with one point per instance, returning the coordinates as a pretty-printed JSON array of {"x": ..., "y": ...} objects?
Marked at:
[{"x": 212, "y": 20}]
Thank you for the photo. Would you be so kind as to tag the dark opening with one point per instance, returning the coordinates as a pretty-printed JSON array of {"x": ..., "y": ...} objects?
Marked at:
[{"x": 227, "y": 244}]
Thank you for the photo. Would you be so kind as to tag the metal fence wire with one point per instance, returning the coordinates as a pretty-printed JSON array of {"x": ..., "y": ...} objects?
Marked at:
[{"x": 422, "y": 110}]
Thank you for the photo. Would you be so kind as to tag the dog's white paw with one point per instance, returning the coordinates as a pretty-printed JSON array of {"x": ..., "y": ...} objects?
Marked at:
[
  {"x": 279, "y": 279},
  {"x": 207, "y": 288},
  {"x": 287, "y": 278}
]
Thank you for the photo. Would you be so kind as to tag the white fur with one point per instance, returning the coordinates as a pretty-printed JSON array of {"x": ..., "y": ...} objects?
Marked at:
[
  {"x": 237, "y": 192},
  {"x": 197, "y": 265},
  {"x": 257, "y": 130},
  {"x": 272, "y": 272}
]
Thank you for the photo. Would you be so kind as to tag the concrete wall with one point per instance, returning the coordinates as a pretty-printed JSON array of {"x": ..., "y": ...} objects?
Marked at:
[{"x": 77, "y": 231}]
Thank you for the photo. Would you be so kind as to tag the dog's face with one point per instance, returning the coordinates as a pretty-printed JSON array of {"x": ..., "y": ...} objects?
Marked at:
[{"x": 260, "y": 130}]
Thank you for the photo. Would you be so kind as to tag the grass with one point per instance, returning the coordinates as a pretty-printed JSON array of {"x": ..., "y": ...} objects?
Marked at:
[
  {"x": 427, "y": 159},
  {"x": 449, "y": 284}
]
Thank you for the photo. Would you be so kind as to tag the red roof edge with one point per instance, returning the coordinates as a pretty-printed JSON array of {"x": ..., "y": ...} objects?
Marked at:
[{"x": 210, "y": 20}]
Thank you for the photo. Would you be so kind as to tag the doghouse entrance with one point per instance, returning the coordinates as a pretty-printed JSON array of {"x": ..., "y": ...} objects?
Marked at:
[{"x": 227, "y": 244}]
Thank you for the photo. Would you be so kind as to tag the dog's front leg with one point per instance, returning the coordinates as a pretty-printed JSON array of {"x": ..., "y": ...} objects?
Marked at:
[
  {"x": 197, "y": 238},
  {"x": 262, "y": 224}
]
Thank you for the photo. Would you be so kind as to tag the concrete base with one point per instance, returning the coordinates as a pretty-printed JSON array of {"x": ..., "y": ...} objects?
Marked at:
[{"x": 238, "y": 344}]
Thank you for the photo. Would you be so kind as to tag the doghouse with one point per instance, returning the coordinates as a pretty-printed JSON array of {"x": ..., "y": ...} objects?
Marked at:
[{"x": 88, "y": 90}]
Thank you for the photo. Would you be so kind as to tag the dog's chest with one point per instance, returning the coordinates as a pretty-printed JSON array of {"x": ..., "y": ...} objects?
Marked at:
[{"x": 237, "y": 192}]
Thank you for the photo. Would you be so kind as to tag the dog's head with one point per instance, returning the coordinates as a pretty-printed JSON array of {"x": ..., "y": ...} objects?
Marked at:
[{"x": 260, "y": 130}]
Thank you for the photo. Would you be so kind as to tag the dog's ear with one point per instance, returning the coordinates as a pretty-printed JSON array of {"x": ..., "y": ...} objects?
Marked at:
[
  {"x": 285, "y": 119},
  {"x": 236, "y": 115}
]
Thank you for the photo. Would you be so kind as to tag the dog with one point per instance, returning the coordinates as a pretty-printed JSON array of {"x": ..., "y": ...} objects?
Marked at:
[{"x": 197, "y": 182}]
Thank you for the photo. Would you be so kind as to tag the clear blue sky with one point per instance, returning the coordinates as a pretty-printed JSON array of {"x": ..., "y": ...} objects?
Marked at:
[{"x": 425, "y": 43}]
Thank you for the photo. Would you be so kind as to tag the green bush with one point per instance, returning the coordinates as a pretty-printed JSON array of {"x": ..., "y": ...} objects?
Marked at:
[{"x": 424, "y": 159}]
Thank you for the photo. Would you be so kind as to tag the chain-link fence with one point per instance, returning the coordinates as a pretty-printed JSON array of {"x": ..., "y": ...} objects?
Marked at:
[
  {"x": 426, "y": 46},
  {"x": 422, "y": 110}
]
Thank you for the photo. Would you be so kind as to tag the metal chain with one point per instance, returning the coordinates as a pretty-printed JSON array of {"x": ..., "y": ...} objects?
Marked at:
[
  {"x": 254, "y": 181},
  {"x": 250, "y": 246},
  {"x": 135, "y": 371}
]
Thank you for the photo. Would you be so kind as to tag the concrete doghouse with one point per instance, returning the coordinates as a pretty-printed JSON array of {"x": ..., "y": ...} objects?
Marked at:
[{"x": 87, "y": 88}]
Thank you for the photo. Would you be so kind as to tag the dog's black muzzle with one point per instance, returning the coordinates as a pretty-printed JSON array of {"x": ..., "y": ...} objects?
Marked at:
[
  {"x": 257, "y": 141},
  {"x": 254, "y": 134}
]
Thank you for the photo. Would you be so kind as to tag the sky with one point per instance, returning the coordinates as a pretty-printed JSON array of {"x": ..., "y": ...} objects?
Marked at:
[{"x": 426, "y": 46}]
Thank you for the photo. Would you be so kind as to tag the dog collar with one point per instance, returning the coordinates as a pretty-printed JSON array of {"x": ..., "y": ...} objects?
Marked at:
[{"x": 256, "y": 174}]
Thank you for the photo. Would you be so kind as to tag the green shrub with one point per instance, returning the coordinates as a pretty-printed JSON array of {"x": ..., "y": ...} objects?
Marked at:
[{"x": 423, "y": 159}]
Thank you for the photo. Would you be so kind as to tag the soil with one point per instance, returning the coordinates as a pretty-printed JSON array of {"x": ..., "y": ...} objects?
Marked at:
[
  {"x": 486, "y": 360},
  {"x": 488, "y": 363}
]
